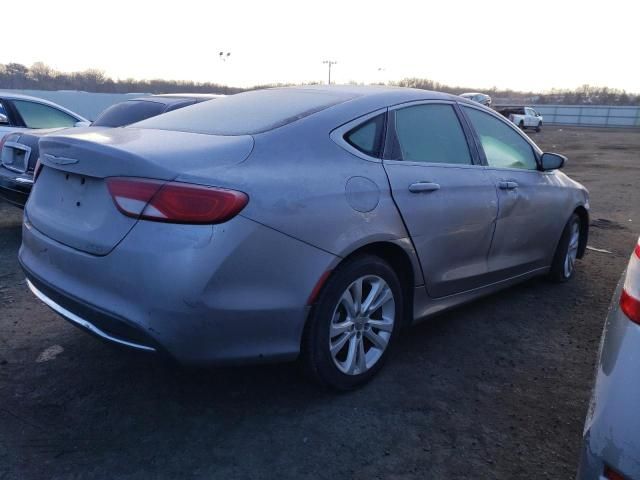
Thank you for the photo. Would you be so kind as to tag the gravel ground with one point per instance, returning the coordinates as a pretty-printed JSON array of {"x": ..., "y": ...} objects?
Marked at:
[{"x": 496, "y": 389}]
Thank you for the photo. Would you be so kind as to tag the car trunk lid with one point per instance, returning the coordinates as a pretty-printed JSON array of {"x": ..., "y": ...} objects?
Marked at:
[{"x": 70, "y": 201}]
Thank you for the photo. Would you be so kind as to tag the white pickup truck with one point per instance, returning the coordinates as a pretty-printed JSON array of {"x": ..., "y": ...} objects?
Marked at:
[{"x": 524, "y": 117}]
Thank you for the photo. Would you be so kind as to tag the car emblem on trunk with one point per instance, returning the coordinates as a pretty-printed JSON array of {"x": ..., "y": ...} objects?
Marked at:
[{"x": 60, "y": 160}]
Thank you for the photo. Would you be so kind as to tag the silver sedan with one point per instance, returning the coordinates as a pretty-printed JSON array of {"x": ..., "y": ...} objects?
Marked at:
[
  {"x": 611, "y": 444},
  {"x": 298, "y": 222}
]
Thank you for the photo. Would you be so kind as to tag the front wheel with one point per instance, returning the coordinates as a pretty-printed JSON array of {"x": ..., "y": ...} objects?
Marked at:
[
  {"x": 564, "y": 260},
  {"x": 354, "y": 323},
  {"x": 539, "y": 127}
]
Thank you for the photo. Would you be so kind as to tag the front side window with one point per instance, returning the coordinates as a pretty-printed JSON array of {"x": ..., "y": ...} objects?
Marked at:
[
  {"x": 431, "y": 133},
  {"x": 367, "y": 137},
  {"x": 37, "y": 115},
  {"x": 502, "y": 145}
]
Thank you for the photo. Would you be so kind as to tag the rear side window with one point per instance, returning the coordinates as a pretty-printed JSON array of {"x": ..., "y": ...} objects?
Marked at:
[
  {"x": 37, "y": 115},
  {"x": 431, "y": 133},
  {"x": 249, "y": 112},
  {"x": 128, "y": 112},
  {"x": 368, "y": 136},
  {"x": 502, "y": 145}
]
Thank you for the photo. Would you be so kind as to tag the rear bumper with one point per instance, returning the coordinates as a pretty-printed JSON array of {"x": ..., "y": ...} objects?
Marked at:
[
  {"x": 230, "y": 293},
  {"x": 15, "y": 187},
  {"x": 93, "y": 320}
]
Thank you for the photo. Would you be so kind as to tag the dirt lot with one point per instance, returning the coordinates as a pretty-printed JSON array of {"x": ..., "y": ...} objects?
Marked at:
[{"x": 497, "y": 389}]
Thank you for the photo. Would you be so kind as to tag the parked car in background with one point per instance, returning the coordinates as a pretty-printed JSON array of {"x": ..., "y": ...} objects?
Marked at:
[
  {"x": 524, "y": 117},
  {"x": 480, "y": 98},
  {"x": 22, "y": 113},
  {"x": 611, "y": 442},
  {"x": 312, "y": 222},
  {"x": 19, "y": 151},
  {"x": 137, "y": 109}
]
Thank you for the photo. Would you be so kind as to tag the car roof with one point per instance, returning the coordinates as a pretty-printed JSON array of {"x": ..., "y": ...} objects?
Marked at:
[
  {"x": 373, "y": 91},
  {"x": 380, "y": 96},
  {"x": 261, "y": 111},
  {"x": 19, "y": 96}
]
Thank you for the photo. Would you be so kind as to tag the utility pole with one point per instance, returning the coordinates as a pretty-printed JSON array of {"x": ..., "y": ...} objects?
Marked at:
[{"x": 329, "y": 62}]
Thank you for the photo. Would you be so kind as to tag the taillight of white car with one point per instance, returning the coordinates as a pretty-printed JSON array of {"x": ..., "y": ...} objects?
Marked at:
[{"x": 630, "y": 298}]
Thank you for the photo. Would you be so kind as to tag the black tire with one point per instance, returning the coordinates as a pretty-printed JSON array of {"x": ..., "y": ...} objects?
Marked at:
[
  {"x": 558, "y": 272},
  {"x": 539, "y": 127},
  {"x": 316, "y": 354},
  {"x": 521, "y": 125}
]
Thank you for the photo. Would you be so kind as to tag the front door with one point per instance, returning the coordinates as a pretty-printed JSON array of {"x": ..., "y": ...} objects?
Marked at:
[
  {"x": 447, "y": 201},
  {"x": 527, "y": 227}
]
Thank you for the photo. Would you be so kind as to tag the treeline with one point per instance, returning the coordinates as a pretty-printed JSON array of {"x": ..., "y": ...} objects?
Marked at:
[
  {"x": 42, "y": 77},
  {"x": 584, "y": 95}
]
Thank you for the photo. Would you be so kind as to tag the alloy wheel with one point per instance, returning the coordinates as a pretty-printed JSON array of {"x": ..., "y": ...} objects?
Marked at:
[
  {"x": 361, "y": 325},
  {"x": 572, "y": 250}
]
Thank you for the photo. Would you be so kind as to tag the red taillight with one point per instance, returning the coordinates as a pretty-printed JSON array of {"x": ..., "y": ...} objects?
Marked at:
[
  {"x": 630, "y": 298},
  {"x": 611, "y": 474},
  {"x": 630, "y": 306},
  {"x": 175, "y": 202}
]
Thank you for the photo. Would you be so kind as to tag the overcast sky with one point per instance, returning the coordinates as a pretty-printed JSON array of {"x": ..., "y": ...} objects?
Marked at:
[{"x": 526, "y": 45}]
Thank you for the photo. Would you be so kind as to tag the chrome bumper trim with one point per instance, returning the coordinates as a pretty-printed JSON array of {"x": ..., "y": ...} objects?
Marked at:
[{"x": 72, "y": 317}]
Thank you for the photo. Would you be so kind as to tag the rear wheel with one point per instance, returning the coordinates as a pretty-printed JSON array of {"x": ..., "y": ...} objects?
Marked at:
[
  {"x": 564, "y": 260},
  {"x": 354, "y": 323},
  {"x": 521, "y": 124}
]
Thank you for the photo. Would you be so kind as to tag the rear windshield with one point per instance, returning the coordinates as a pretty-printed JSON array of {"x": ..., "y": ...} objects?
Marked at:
[
  {"x": 128, "y": 112},
  {"x": 248, "y": 113}
]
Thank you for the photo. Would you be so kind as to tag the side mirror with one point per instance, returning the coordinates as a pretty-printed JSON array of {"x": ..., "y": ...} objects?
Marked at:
[
  {"x": 552, "y": 161},
  {"x": 82, "y": 124},
  {"x": 3, "y": 119}
]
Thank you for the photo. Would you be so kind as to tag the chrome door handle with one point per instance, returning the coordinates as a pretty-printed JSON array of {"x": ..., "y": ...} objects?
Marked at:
[
  {"x": 507, "y": 185},
  {"x": 420, "y": 187}
]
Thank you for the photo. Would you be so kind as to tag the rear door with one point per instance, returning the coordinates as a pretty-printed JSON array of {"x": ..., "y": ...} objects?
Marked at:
[
  {"x": 527, "y": 227},
  {"x": 445, "y": 197}
]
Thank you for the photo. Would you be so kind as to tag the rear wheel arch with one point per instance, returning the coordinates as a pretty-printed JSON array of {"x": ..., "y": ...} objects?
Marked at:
[
  {"x": 584, "y": 229},
  {"x": 399, "y": 260}
]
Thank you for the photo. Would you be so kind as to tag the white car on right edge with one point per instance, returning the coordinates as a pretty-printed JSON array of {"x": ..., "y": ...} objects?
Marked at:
[{"x": 524, "y": 117}]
